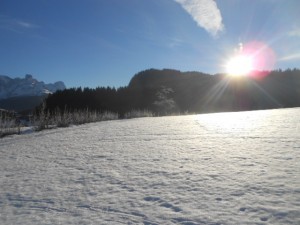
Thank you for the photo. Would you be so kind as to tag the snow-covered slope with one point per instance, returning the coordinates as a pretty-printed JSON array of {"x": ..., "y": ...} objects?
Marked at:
[
  {"x": 27, "y": 86},
  {"x": 227, "y": 168}
]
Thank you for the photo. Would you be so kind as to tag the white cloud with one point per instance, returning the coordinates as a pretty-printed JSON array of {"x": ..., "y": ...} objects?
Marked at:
[
  {"x": 206, "y": 13},
  {"x": 294, "y": 33}
]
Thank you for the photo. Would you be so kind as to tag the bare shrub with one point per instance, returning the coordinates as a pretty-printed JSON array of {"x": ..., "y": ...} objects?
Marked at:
[
  {"x": 108, "y": 116},
  {"x": 61, "y": 118},
  {"x": 64, "y": 118},
  {"x": 41, "y": 119},
  {"x": 8, "y": 125},
  {"x": 138, "y": 113}
]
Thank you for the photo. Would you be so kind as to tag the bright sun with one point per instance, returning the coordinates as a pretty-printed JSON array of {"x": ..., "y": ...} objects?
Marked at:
[{"x": 239, "y": 65}]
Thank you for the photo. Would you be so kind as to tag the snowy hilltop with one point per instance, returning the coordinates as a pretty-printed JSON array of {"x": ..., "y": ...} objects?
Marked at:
[{"x": 28, "y": 86}]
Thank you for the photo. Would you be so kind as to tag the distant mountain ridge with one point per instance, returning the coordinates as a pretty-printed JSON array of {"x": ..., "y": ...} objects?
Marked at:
[
  {"x": 24, "y": 94},
  {"x": 27, "y": 86}
]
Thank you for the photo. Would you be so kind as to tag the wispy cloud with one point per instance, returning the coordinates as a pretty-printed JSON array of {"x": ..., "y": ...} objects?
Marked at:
[
  {"x": 206, "y": 13},
  {"x": 291, "y": 57},
  {"x": 16, "y": 25},
  {"x": 26, "y": 24},
  {"x": 174, "y": 42}
]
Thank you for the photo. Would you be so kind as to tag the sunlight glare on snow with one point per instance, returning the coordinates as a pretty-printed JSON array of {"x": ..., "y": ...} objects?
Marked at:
[{"x": 231, "y": 122}]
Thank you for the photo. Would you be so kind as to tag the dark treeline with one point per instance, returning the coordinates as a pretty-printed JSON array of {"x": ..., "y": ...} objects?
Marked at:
[{"x": 170, "y": 91}]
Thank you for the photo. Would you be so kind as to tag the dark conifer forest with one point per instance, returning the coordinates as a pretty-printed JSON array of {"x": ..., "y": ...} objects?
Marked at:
[{"x": 167, "y": 91}]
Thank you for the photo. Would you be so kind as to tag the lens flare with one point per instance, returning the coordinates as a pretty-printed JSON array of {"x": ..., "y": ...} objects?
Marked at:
[
  {"x": 264, "y": 56},
  {"x": 251, "y": 59}
]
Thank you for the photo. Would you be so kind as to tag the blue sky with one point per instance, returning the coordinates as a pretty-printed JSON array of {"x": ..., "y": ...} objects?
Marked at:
[{"x": 105, "y": 42}]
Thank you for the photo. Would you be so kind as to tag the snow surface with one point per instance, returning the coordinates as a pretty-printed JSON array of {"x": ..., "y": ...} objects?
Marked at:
[{"x": 226, "y": 168}]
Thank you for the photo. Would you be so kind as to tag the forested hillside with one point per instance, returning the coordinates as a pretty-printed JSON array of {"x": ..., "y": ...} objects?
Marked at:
[{"x": 171, "y": 91}]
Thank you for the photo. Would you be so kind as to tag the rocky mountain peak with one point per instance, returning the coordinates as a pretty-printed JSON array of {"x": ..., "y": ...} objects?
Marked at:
[{"x": 27, "y": 86}]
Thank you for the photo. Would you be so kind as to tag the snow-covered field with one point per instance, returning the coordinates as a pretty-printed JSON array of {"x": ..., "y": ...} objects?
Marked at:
[{"x": 227, "y": 168}]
